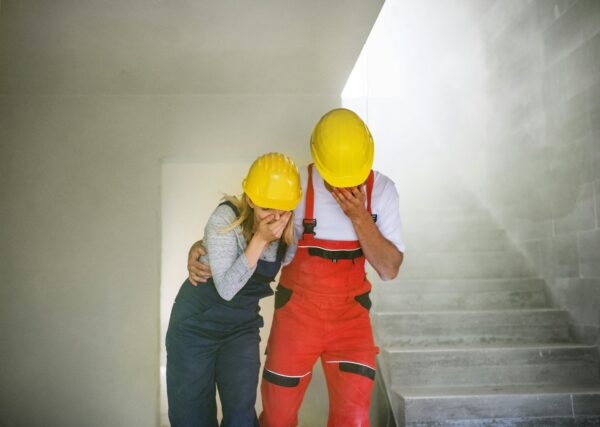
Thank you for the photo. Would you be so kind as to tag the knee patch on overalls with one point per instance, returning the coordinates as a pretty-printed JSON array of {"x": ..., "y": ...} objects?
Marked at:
[
  {"x": 282, "y": 380},
  {"x": 357, "y": 368}
]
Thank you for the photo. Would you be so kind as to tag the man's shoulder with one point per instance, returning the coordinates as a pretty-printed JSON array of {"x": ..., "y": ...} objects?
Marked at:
[
  {"x": 382, "y": 180},
  {"x": 380, "y": 174}
]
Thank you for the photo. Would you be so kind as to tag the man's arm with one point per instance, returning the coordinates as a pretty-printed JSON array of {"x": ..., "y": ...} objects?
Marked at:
[
  {"x": 382, "y": 254},
  {"x": 198, "y": 272}
]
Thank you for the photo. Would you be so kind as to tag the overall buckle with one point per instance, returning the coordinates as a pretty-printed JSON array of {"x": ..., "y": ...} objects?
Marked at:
[{"x": 309, "y": 225}]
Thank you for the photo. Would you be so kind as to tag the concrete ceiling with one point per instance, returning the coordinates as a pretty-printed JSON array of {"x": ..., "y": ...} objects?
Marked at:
[{"x": 181, "y": 46}]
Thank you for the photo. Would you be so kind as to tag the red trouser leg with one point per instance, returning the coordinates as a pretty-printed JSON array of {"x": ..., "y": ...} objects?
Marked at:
[
  {"x": 349, "y": 394},
  {"x": 349, "y": 366},
  {"x": 282, "y": 403},
  {"x": 294, "y": 346}
]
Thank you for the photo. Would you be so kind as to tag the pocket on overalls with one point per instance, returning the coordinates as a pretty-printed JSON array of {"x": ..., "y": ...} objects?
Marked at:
[
  {"x": 364, "y": 300},
  {"x": 187, "y": 309},
  {"x": 282, "y": 296},
  {"x": 179, "y": 313}
]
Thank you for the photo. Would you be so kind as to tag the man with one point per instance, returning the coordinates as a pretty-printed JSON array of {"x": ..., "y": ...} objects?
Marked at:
[{"x": 348, "y": 214}]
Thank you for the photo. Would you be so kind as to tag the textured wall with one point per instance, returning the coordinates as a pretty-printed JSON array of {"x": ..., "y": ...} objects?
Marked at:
[{"x": 542, "y": 154}]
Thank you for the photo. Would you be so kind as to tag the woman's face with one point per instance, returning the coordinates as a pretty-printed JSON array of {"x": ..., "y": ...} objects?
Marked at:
[{"x": 262, "y": 213}]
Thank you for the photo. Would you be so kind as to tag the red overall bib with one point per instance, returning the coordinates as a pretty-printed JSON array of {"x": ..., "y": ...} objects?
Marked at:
[{"x": 322, "y": 310}]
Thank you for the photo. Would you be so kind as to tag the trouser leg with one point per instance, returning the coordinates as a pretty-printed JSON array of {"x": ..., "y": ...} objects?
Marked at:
[
  {"x": 282, "y": 399},
  {"x": 190, "y": 376},
  {"x": 349, "y": 367},
  {"x": 349, "y": 386},
  {"x": 293, "y": 348},
  {"x": 238, "y": 365}
]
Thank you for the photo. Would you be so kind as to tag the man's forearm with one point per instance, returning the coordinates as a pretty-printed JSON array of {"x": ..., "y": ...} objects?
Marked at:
[{"x": 382, "y": 254}]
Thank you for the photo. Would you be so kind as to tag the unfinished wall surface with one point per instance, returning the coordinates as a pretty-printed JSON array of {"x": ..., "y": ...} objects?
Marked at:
[
  {"x": 541, "y": 157},
  {"x": 93, "y": 96}
]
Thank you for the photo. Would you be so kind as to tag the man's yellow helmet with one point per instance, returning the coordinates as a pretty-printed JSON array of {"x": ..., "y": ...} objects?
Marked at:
[
  {"x": 273, "y": 182},
  {"x": 342, "y": 148}
]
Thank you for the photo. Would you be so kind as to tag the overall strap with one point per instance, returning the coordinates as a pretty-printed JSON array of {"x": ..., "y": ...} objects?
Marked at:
[
  {"x": 309, "y": 222},
  {"x": 370, "y": 181},
  {"x": 232, "y": 206},
  {"x": 281, "y": 250}
]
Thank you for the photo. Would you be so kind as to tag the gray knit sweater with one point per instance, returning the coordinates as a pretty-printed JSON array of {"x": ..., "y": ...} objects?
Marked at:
[{"x": 225, "y": 253}]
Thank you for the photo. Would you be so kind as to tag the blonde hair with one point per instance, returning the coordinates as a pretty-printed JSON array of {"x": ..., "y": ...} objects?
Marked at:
[{"x": 245, "y": 220}]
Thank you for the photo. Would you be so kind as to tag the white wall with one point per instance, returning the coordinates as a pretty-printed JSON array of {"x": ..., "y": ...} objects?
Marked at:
[
  {"x": 93, "y": 97},
  {"x": 419, "y": 82},
  {"x": 81, "y": 234}
]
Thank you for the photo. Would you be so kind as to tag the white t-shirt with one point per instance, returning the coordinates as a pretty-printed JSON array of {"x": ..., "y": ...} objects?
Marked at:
[{"x": 332, "y": 222}]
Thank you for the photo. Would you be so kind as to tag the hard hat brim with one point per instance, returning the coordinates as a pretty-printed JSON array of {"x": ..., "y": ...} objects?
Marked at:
[
  {"x": 283, "y": 205},
  {"x": 357, "y": 178}
]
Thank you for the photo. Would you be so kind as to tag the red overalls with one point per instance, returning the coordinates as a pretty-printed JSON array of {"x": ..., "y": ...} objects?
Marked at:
[{"x": 322, "y": 309}]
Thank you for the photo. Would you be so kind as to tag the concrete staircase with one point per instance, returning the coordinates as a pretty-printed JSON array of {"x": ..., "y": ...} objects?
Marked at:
[{"x": 469, "y": 337}]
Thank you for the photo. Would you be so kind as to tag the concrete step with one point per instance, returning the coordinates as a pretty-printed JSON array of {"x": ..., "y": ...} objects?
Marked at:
[
  {"x": 477, "y": 294},
  {"x": 497, "y": 406},
  {"x": 435, "y": 328},
  {"x": 471, "y": 265},
  {"x": 479, "y": 366}
]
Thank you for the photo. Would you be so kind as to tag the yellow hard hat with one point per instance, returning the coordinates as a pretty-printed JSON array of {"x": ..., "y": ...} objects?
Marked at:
[
  {"x": 342, "y": 148},
  {"x": 273, "y": 182}
]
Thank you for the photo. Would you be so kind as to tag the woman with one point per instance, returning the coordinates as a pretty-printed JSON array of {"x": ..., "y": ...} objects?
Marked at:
[{"x": 213, "y": 335}]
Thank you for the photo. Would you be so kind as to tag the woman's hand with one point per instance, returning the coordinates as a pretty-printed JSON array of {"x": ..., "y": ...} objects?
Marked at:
[
  {"x": 271, "y": 227},
  {"x": 198, "y": 272}
]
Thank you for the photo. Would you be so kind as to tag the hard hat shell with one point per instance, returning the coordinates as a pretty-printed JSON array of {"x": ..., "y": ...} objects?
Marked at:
[
  {"x": 342, "y": 148},
  {"x": 273, "y": 182}
]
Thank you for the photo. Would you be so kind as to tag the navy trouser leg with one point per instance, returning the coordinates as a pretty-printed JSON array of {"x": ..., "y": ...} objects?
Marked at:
[
  {"x": 191, "y": 362},
  {"x": 238, "y": 365}
]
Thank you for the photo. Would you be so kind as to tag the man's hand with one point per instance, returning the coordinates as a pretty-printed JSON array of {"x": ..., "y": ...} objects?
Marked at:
[
  {"x": 380, "y": 252},
  {"x": 198, "y": 272},
  {"x": 352, "y": 201}
]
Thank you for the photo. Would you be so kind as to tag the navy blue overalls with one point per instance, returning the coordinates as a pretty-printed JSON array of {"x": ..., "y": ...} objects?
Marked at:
[{"x": 213, "y": 342}]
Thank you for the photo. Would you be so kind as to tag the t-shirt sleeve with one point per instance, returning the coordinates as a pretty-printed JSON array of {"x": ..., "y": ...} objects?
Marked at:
[
  {"x": 298, "y": 218},
  {"x": 388, "y": 216}
]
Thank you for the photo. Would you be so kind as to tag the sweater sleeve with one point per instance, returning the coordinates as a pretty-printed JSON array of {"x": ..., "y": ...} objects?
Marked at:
[{"x": 225, "y": 252}]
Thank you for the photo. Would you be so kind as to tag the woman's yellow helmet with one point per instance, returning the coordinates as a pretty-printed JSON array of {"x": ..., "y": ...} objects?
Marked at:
[{"x": 273, "y": 182}]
